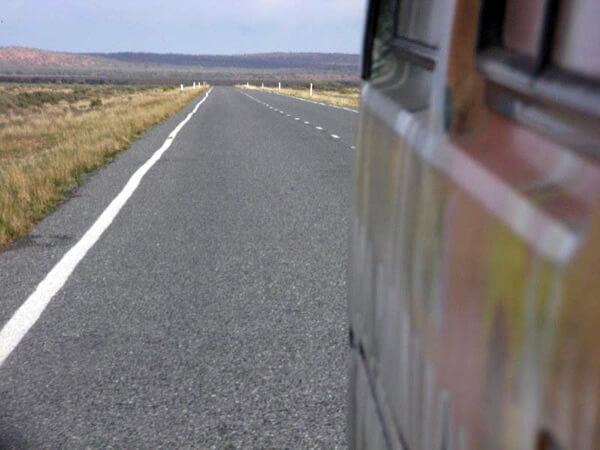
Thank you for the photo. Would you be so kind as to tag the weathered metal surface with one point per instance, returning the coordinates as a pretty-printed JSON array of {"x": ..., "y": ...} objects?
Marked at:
[{"x": 474, "y": 250}]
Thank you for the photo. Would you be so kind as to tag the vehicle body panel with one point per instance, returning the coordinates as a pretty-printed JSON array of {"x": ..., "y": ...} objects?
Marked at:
[{"x": 474, "y": 299}]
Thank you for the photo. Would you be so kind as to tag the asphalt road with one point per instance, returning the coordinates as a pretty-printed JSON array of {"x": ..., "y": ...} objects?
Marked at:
[{"x": 212, "y": 311}]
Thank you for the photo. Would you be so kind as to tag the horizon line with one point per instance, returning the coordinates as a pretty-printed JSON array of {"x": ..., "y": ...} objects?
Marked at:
[{"x": 179, "y": 54}]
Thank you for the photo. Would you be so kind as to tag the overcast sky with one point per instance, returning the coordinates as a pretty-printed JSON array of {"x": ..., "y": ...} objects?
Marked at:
[{"x": 184, "y": 26}]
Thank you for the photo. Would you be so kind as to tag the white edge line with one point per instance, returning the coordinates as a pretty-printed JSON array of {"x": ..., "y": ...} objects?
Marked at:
[
  {"x": 30, "y": 311},
  {"x": 355, "y": 111}
]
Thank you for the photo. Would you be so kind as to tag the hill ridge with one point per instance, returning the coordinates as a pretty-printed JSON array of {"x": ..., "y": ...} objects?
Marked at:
[
  {"x": 18, "y": 63},
  {"x": 272, "y": 60}
]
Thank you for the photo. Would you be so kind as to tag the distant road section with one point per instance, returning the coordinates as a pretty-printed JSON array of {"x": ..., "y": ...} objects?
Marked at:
[{"x": 211, "y": 311}]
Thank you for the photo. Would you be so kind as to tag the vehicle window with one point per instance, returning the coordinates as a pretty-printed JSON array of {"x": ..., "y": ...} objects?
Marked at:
[
  {"x": 523, "y": 26},
  {"x": 418, "y": 20},
  {"x": 542, "y": 51},
  {"x": 401, "y": 66},
  {"x": 382, "y": 42},
  {"x": 577, "y": 37}
]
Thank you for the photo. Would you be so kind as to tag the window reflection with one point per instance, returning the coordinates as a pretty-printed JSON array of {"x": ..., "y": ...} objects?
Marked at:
[{"x": 578, "y": 37}]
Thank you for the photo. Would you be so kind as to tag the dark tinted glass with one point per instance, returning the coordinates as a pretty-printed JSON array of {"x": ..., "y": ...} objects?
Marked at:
[{"x": 523, "y": 26}]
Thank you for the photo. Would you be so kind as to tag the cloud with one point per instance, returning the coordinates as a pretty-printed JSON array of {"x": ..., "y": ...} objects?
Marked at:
[{"x": 213, "y": 26}]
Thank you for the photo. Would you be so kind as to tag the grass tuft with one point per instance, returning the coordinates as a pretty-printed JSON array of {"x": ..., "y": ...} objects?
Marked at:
[{"x": 52, "y": 135}]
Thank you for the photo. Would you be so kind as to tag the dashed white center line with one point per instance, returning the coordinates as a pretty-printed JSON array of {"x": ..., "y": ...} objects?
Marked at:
[{"x": 306, "y": 122}]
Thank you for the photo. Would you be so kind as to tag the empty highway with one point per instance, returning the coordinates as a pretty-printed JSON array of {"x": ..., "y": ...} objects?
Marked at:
[{"x": 210, "y": 309}]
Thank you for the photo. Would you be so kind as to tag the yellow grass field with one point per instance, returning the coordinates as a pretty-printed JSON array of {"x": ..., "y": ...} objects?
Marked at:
[
  {"x": 50, "y": 135},
  {"x": 348, "y": 97}
]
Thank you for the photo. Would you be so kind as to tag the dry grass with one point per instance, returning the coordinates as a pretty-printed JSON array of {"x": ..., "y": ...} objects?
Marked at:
[
  {"x": 348, "y": 97},
  {"x": 46, "y": 146}
]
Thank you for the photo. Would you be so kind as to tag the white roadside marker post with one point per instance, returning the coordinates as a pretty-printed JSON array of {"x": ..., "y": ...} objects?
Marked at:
[
  {"x": 194, "y": 85},
  {"x": 247, "y": 84},
  {"x": 262, "y": 86},
  {"x": 181, "y": 88},
  {"x": 280, "y": 85},
  {"x": 311, "y": 89}
]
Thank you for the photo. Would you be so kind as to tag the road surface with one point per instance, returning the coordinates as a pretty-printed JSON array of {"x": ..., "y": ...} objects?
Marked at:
[{"x": 211, "y": 312}]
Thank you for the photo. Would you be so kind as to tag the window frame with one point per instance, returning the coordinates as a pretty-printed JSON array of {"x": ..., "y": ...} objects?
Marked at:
[
  {"x": 369, "y": 38},
  {"x": 416, "y": 52},
  {"x": 535, "y": 77},
  {"x": 410, "y": 50}
]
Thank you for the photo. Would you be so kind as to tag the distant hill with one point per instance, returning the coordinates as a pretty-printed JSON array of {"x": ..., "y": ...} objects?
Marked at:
[
  {"x": 29, "y": 57},
  {"x": 307, "y": 61},
  {"x": 25, "y": 64}
]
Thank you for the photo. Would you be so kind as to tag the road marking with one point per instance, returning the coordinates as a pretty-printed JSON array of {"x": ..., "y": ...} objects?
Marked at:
[
  {"x": 334, "y": 136},
  {"x": 355, "y": 111},
  {"x": 30, "y": 311},
  {"x": 306, "y": 122}
]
